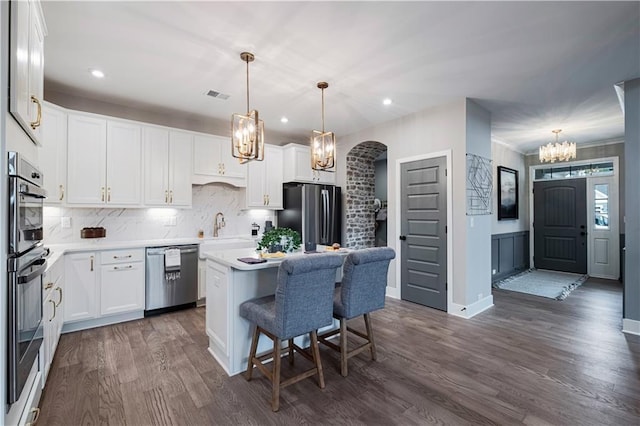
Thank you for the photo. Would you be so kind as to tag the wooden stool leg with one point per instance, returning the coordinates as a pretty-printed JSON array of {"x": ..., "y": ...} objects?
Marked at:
[
  {"x": 315, "y": 350},
  {"x": 275, "y": 395},
  {"x": 290, "y": 351},
  {"x": 343, "y": 347},
  {"x": 367, "y": 323},
  {"x": 252, "y": 352}
]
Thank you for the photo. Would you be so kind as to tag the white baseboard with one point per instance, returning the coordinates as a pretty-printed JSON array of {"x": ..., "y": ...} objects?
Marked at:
[
  {"x": 471, "y": 310},
  {"x": 393, "y": 292},
  {"x": 631, "y": 326}
]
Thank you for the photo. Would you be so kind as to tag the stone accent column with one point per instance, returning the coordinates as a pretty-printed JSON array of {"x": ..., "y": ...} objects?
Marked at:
[{"x": 360, "y": 193}]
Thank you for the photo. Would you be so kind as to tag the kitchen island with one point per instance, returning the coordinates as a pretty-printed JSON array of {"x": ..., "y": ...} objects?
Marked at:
[{"x": 229, "y": 283}]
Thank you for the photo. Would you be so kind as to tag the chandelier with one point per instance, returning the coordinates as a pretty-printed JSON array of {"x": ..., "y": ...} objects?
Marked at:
[
  {"x": 323, "y": 143},
  {"x": 247, "y": 130},
  {"x": 552, "y": 152}
]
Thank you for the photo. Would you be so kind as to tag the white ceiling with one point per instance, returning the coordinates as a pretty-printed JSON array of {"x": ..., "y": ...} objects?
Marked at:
[{"x": 535, "y": 66}]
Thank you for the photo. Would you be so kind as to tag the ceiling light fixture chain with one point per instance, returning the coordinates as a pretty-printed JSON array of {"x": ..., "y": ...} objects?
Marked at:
[
  {"x": 323, "y": 143},
  {"x": 247, "y": 130},
  {"x": 557, "y": 151}
]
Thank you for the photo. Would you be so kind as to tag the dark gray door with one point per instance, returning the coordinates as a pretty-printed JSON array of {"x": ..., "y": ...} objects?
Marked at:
[
  {"x": 424, "y": 233},
  {"x": 559, "y": 224}
]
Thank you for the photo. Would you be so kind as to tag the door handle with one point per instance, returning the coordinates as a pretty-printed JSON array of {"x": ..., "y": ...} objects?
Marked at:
[{"x": 403, "y": 237}]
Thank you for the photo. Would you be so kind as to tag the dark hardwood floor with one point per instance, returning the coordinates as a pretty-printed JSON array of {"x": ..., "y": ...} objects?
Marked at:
[{"x": 528, "y": 360}]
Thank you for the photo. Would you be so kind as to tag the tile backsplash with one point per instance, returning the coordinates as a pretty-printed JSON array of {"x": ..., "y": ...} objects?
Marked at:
[{"x": 158, "y": 223}]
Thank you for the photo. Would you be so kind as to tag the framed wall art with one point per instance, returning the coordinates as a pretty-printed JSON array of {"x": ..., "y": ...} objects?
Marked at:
[{"x": 507, "y": 193}]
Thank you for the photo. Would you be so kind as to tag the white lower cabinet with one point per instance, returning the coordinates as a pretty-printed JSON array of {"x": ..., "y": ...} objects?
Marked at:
[
  {"x": 80, "y": 279},
  {"x": 121, "y": 283},
  {"x": 52, "y": 314},
  {"x": 102, "y": 284}
]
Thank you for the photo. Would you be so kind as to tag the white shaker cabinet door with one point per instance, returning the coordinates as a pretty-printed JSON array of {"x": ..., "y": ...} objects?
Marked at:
[
  {"x": 86, "y": 150},
  {"x": 256, "y": 195},
  {"x": 124, "y": 164},
  {"x": 156, "y": 166},
  {"x": 121, "y": 288},
  {"x": 80, "y": 295},
  {"x": 206, "y": 156},
  {"x": 180, "y": 168},
  {"x": 273, "y": 176},
  {"x": 52, "y": 154}
]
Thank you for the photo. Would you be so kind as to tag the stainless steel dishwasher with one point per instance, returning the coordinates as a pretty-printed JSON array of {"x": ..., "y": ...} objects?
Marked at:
[{"x": 171, "y": 284}]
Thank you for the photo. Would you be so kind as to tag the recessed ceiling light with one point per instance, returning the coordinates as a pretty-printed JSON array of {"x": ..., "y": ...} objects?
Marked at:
[
  {"x": 284, "y": 120},
  {"x": 96, "y": 73},
  {"x": 386, "y": 102}
]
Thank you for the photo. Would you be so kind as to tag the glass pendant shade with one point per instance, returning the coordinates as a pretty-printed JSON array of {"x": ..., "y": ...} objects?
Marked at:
[
  {"x": 247, "y": 130},
  {"x": 552, "y": 152},
  {"x": 323, "y": 144}
]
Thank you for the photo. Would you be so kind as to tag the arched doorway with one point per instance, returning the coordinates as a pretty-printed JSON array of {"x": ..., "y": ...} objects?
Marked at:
[{"x": 360, "y": 194}]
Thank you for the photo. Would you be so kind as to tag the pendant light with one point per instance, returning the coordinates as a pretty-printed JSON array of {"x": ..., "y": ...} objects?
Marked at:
[
  {"x": 247, "y": 130},
  {"x": 323, "y": 143}
]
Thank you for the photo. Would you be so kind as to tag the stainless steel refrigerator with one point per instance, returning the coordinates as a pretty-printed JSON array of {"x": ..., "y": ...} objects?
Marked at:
[{"x": 313, "y": 210}]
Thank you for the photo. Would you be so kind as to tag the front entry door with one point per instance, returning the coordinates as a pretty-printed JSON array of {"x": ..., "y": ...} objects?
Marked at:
[
  {"x": 423, "y": 232},
  {"x": 560, "y": 225}
]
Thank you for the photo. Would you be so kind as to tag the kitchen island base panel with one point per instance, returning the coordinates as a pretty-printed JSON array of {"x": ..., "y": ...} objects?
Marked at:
[{"x": 229, "y": 334}]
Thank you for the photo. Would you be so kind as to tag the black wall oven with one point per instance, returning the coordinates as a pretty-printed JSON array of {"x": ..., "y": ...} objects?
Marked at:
[{"x": 26, "y": 264}]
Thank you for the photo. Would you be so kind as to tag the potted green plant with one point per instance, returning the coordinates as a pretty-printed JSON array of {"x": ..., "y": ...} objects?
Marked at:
[{"x": 280, "y": 239}]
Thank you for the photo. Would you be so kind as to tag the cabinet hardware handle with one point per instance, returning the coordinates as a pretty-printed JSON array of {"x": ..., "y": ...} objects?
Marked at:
[
  {"x": 61, "y": 192},
  {"x": 171, "y": 197},
  {"x": 109, "y": 194},
  {"x": 123, "y": 257},
  {"x": 36, "y": 412},
  {"x": 102, "y": 192},
  {"x": 59, "y": 300},
  {"x": 48, "y": 286},
  {"x": 36, "y": 124},
  {"x": 54, "y": 310},
  {"x": 91, "y": 263},
  {"x": 264, "y": 200},
  {"x": 268, "y": 200},
  {"x": 223, "y": 171},
  {"x": 166, "y": 197},
  {"x": 116, "y": 268}
]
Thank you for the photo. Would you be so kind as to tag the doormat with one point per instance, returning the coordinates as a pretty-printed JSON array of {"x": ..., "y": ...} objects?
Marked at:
[{"x": 539, "y": 282}]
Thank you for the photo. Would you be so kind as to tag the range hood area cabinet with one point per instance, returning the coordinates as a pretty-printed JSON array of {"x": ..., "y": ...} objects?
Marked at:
[
  {"x": 104, "y": 158},
  {"x": 213, "y": 162},
  {"x": 26, "y": 87},
  {"x": 298, "y": 160},
  {"x": 264, "y": 180},
  {"x": 167, "y": 167}
]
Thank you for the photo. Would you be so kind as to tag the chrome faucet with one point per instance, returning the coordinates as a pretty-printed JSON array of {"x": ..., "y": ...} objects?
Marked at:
[{"x": 217, "y": 225}]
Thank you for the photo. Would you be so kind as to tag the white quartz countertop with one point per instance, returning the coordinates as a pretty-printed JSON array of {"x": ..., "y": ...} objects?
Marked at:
[
  {"x": 100, "y": 244},
  {"x": 230, "y": 258}
]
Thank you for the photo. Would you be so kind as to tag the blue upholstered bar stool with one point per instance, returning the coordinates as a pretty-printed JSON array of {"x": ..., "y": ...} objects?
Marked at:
[
  {"x": 302, "y": 304},
  {"x": 361, "y": 291}
]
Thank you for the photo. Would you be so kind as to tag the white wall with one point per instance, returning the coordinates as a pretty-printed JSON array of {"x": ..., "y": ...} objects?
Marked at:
[
  {"x": 478, "y": 228},
  {"x": 152, "y": 223},
  {"x": 504, "y": 156},
  {"x": 432, "y": 130}
]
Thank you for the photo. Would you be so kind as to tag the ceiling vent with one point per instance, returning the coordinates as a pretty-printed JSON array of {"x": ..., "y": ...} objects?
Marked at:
[{"x": 217, "y": 95}]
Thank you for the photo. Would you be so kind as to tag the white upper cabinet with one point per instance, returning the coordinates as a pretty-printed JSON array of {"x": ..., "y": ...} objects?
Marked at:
[
  {"x": 86, "y": 156},
  {"x": 124, "y": 160},
  {"x": 167, "y": 167},
  {"x": 213, "y": 162},
  {"x": 298, "y": 160},
  {"x": 104, "y": 159},
  {"x": 52, "y": 154},
  {"x": 264, "y": 180},
  {"x": 27, "y": 66}
]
